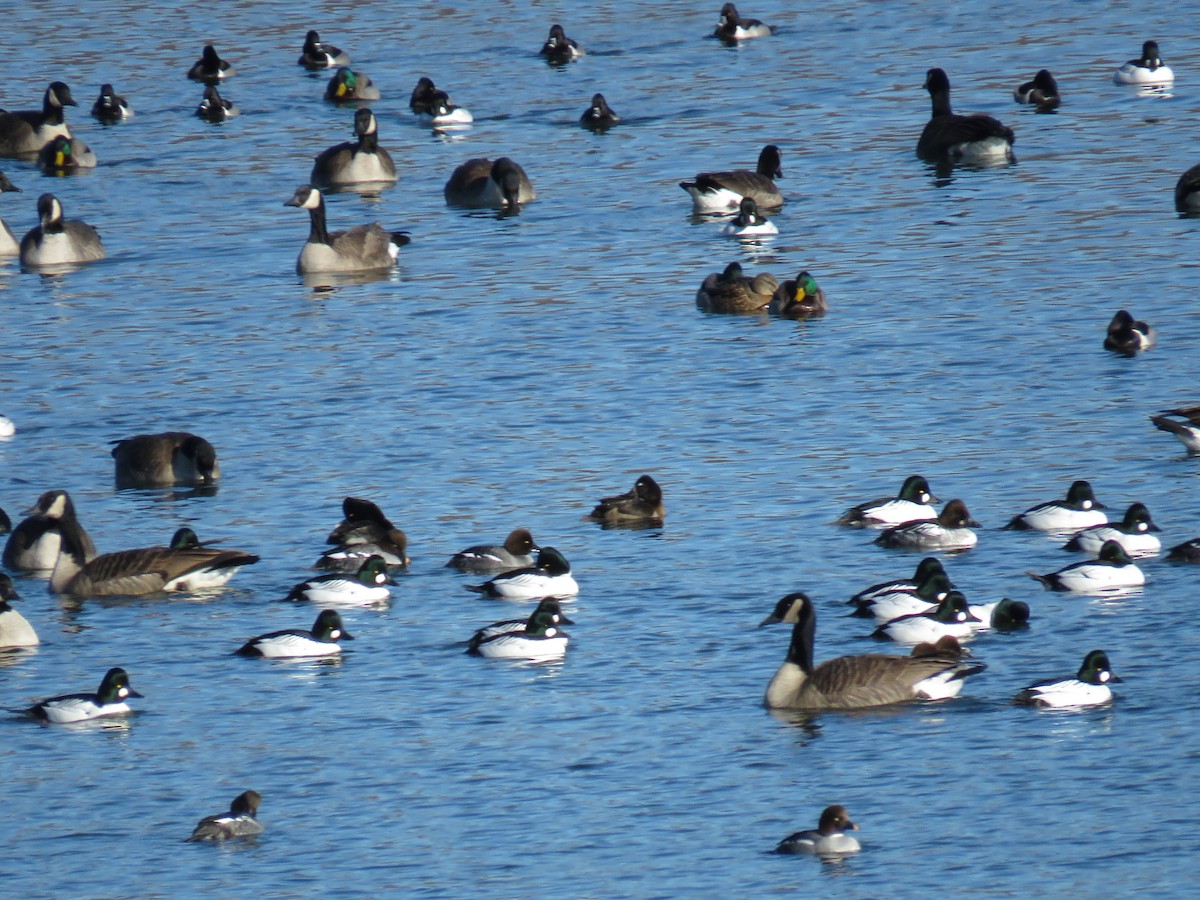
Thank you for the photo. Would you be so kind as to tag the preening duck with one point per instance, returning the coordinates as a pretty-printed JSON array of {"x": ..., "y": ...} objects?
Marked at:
[
  {"x": 974, "y": 139},
  {"x": 732, "y": 291},
  {"x": 1040, "y": 93},
  {"x": 1127, "y": 335},
  {"x": 641, "y": 503},
  {"x": 316, "y": 54},
  {"x": 363, "y": 248},
  {"x": 210, "y": 68}
]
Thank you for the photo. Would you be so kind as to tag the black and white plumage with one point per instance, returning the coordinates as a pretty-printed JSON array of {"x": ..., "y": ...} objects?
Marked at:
[
  {"x": 1128, "y": 336},
  {"x": 1111, "y": 570},
  {"x": 15, "y": 630},
  {"x": 1187, "y": 430},
  {"x": 1187, "y": 191},
  {"x": 558, "y": 48},
  {"x": 34, "y": 544},
  {"x": 550, "y": 576},
  {"x": 1041, "y": 93},
  {"x": 210, "y": 68},
  {"x": 829, "y": 838},
  {"x": 1188, "y": 552},
  {"x": 537, "y": 638},
  {"x": 599, "y": 116},
  {"x": 749, "y": 222},
  {"x": 348, "y": 86},
  {"x": 367, "y": 586},
  {"x": 215, "y": 108},
  {"x": 1089, "y": 687},
  {"x": 25, "y": 132},
  {"x": 8, "y": 241},
  {"x": 481, "y": 183},
  {"x": 294, "y": 643},
  {"x": 1079, "y": 510},
  {"x": 316, "y": 54},
  {"x": 951, "y": 530},
  {"x": 239, "y": 822},
  {"x": 363, "y": 248},
  {"x": 548, "y": 605},
  {"x": 109, "y": 700},
  {"x": 720, "y": 192},
  {"x": 732, "y": 28},
  {"x": 56, "y": 241},
  {"x": 364, "y": 532},
  {"x": 1148, "y": 68},
  {"x": 110, "y": 107},
  {"x": 1135, "y": 533},
  {"x": 642, "y": 503},
  {"x": 171, "y": 457},
  {"x": 517, "y": 551},
  {"x": 355, "y": 162},
  {"x": 913, "y": 503},
  {"x": 925, "y": 568},
  {"x": 952, "y": 616},
  {"x": 884, "y": 606},
  {"x": 974, "y": 139}
]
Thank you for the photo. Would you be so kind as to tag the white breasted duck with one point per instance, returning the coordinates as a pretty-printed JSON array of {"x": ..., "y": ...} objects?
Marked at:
[
  {"x": 1127, "y": 335},
  {"x": 721, "y": 192},
  {"x": 34, "y": 544},
  {"x": 296, "y": 643},
  {"x": 355, "y": 162},
  {"x": 1135, "y": 533},
  {"x": 548, "y": 605},
  {"x": 599, "y": 116},
  {"x": 799, "y": 298},
  {"x": 8, "y": 241},
  {"x": 57, "y": 241},
  {"x": 829, "y": 838},
  {"x": 732, "y": 291},
  {"x": 516, "y": 551},
  {"x": 316, "y": 54},
  {"x": 749, "y": 222},
  {"x": 641, "y": 504},
  {"x": 367, "y": 586},
  {"x": 168, "y": 458},
  {"x": 1187, "y": 191},
  {"x": 348, "y": 86},
  {"x": 210, "y": 68},
  {"x": 1004, "y": 615},
  {"x": 239, "y": 822},
  {"x": 975, "y": 139},
  {"x": 549, "y": 577},
  {"x": 1146, "y": 69},
  {"x": 884, "y": 607},
  {"x": 732, "y": 28},
  {"x": 560, "y": 49},
  {"x": 363, "y": 248},
  {"x": 951, "y": 530},
  {"x": 15, "y": 630},
  {"x": 481, "y": 183},
  {"x": 1089, "y": 687},
  {"x": 24, "y": 133},
  {"x": 1188, "y": 431},
  {"x": 1079, "y": 510},
  {"x": 215, "y": 108},
  {"x": 1111, "y": 570},
  {"x": 951, "y": 616},
  {"x": 442, "y": 112},
  {"x": 110, "y": 107},
  {"x": 1041, "y": 93},
  {"x": 539, "y": 638},
  {"x": 109, "y": 700},
  {"x": 912, "y": 504},
  {"x": 925, "y": 568}
]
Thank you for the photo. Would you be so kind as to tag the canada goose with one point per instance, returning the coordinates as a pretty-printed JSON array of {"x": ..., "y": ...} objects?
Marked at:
[
  {"x": 854, "y": 682},
  {"x": 316, "y": 54},
  {"x": 516, "y": 552},
  {"x": 110, "y": 107},
  {"x": 1187, "y": 191},
  {"x": 482, "y": 184},
  {"x": 8, "y": 241},
  {"x": 363, "y": 248},
  {"x": 1188, "y": 431},
  {"x": 559, "y": 48},
  {"x": 911, "y": 504},
  {"x": 1041, "y": 93},
  {"x": 15, "y": 630},
  {"x": 971, "y": 139},
  {"x": 57, "y": 241},
  {"x": 173, "y": 457},
  {"x": 799, "y": 299},
  {"x": 295, "y": 643},
  {"x": 1127, "y": 335},
  {"x": 733, "y": 292},
  {"x": 215, "y": 108},
  {"x": 109, "y": 700},
  {"x": 829, "y": 838},
  {"x": 723, "y": 191},
  {"x": 239, "y": 822},
  {"x": 34, "y": 544},
  {"x": 59, "y": 157},
  {"x": 642, "y": 502},
  {"x": 732, "y": 28},
  {"x": 354, "y": 162},
  {"x": 347, "y": 86},
  {"x": 599, "y": 115},
  {"x": 210, "y": 68},
  {"x": 23, "y": 134}
]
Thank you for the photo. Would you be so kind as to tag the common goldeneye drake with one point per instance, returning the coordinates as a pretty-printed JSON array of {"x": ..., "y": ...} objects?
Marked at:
[
  {"x": 239, "y": 822},
  {"x": 210, "y": 68},
  {"x": 516, "y": 552},
  {"x": 322, "y": 640},
  {"x": 1004, "y": 615},
  {"x": 549, "y": 577},
  {"x": 109, "y": 700},
  {"x": 720, "y": 192},
  {"x": 829, "y": 838},
  {"x": 548, "y": 605},
  {"x": 1146, "y": 69},
  {"x": 1041, "y": 93},
  {"x": 1188, "y": 551},
  {"x": 732, "y": 291},
  {"x": 1134, "y": 533},
  {"x": 539, "y": 639},
  {"x": 316, "y": 54},
  {"x": 110, "y": 107},
  {"x": 951, "y": 616},
  {"x": 369, "y": 585},
  {"x": 1081, "y": 509},
  {"x": 912, "y": 504},
  {"x": 33, "y": 545},
  {"x": 926, "y": 595},
  {"x": 559, "y": 48},
  {"x": 976, "y": 139},
  {"x": 1188, "y": 431},
  {"x": 799, "y": 298},
  {"x": 1089, "y": 687},
  {"x": 925, "y": 568},
  {"x": 172, "y": 457},
  {"x": 732, "y": 28},
  {"x": 949, "y": 531},
  {"x": 15, "y": 630},
  {"x": 1112, "y": 570},
  {"x": 643, "y": 503},
  {"x": 1127, "y": 335}
]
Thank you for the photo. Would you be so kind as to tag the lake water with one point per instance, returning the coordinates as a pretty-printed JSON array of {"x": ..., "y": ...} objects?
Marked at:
[{"x": 512, "y": 370}]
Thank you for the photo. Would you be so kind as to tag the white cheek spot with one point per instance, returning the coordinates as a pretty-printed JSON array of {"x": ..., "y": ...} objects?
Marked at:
[
  {"x": 380, "y": 579},
  {"x": 551, "y": 632},
  {"x": 1086, "y": 504},
  {"x": 1104, "y": 676},
  {"x": 961, "y": 617},
  {"x": 123, "y": 693},
  {"x": 924, "y": 497},
  {"x": 1142, "y": 526},
  {"x": 335, "y": 634}
]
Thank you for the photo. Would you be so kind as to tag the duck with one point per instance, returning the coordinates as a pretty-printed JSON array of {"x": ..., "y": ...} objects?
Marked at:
[
  {"x": 550, "y": 606},
  {"x": 858, "y": 682},
  {"x": 210, "y": 68},
  {"x": 1041, "y": 93},
  {"x": 296, "y": 643},
  {"x": 974, "y": 139},
  {"x": 358, "y": 161},
  {"x": 215, "y": 108},
  {"x": 57, "y": 241},
  {"x": 15, "y": 630},
  {"x": 732, "y": 28},
  {"x": 732, "y": 291},
  {"x": 516, "y": 552},
  {"x": 110, "y": 107},
  {"x": 172, "y": 457},
  {"x": 109, "y": 700},
  {"x": 362, "y": 522},
  {"x": 540, "y": 639},
  {"x": 367, "y": 586},
  {"x": 749, "y": 222},
  {"x": 1187, "y": 431},
  {"x": 316, "y": 54},
  {"x": 951, "y": 530},
  {"x": 720, "y": 192},
  {"x": 829, "y": 838},
  {"x": 34, "y": 544},
  {"x": 1081, "y": 509},
  {"x": 550, "y": 576},
  {"x": 1127, "y": 336},
  {"x": 951, "y": 616},
  {"x": 927, "y": 594},
  {"x": 363, "y": 248},
  {"x": 946, "y": 644},
  {"x": 1111, "y": 570},
  {"x": 641, "y": 503},
  {"x": 1188, "y": 551},
  {"x": 442, "y": 112},
  {"x": 1187, "y": 191},
  {"x": 799, "y": 298},
  {"x": 913, "y": 503},
  {"x": 559, "y": 48},
  {"x": 1005, "y": 615},
  {"x": 423, "y": 96},
  {"x": 599, "y": 116},
  {"x": 482, "y": 184},
  {"x": 348, "y": 86},
  {"x": 1089, "y": 687},
  {"x": 1146, "y": 69},
  {"x": 239, "y": 822},
  {"x": 1135, "y": 533},
  {"x": 925, "y": 568},
  {"x": 391, "y": 547},
  {"x": 59, "y": 157},
  {"x": 23, "y": 134},
  {"x": 8, "y": 241}
]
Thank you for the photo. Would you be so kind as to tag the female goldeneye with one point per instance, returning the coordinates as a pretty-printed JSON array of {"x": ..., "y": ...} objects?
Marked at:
[
  {"x": 925, "y": 568},
  {"x": 952, "y": 616},
  {"x": 889, "y": 605},
  {"x": 109, "y": 700},
  {"x": 1188, "y": 551},
  {"x": 1187, "y": 191},
  {"x": 369, "y": 585},
  {"x": 1127, "y": 335},
  {"x": 215, "y": 108},
  {"x": 1133, "y": 533},
  {"x": 949, "y": 531},
  {"x": 210, "y": 68},
  {"x": 549, "y": 577},
  {"x": 539, "y": 638},
  {"x": 732, "y": 291},
  {"x": 316, "y": 54},
  {"x": 239, "y": 822},
  {"x": 643, "y": 503},
  {"x": 110, "y": 107},
  {"x": 799, "y": 298},
  {"x": 559, "y": 48},
  {"x": 33, "y": 545},
  {"x": 348, "y": 86},
  {"x": 548, "y": 605},
  {"x": 599, "y": 115},
  {"x": 829, "y": 838},
  {"x": 1147, "y": 69},
  {"x": 516, "y": 551},
  {"x": 912, "y": 504},
  {"x": 975, "y": 139},
  {"x": 720, "y": 192},
  {"x": 1081, "y": 509},
  {"x": 1187, "y": 431},
  {"x": 1089, "y": 687},
  {"x": 15, "y": 630},
  {"x": 749, "y": 222},
  {"x": 1112, "y": 570},
  {"x": 732, "y": 28},
  {"x": 1041, "y": 93},
  {"x": 322, "y": 640}
]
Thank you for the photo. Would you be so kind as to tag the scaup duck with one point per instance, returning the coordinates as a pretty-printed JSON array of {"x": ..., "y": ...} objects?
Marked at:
[
  {"x": 547, "y": 605},
  {"x": 1127, "y": 336},
  {"x": 732, "y": 28},
  {"x": 1187, "y": 431},
  {"x": 550, "y": 576},
  {"x": 732, "y": 291},
  {"x": 599, "y": 116},
  {"x": 57, "y": 241},
  {"x": 540, "y": 639},
  {"x": 829, "y": 838},
  {"x": 925, "y": 568},
  {"x": 951, "y": 616},
  {"x": 210, "y": 68},
  {"x": 172, "y": 457},
  {"x": 34, "y": 544},
  {"x": 801, "y": 298},
  {"x": 1111, "y": 570},
  {"x": 8, "y": 241},
  {"x": 367, "y": 586},
  {"x": 516, "y": 551},
  {"x": 951, "y": 530},
  {"x": 15, "y": 630},
  {"x": 110, "y": 107},
  {"x": 1147, "y": 69},
  {"x": 215, "y": 108},
  {"x": 1081, "y": 509},
  {"x": 719, "y": 192},
  {"x": 1089, "y": 687},
  {"x": 348, "y": 86},
  {"x": 1134, "y": 533},
  {"x": 641, "y": 503},
  {"x": 358, "y": 161},
  {"x": 913, "y": 503},
  {"x": 559, "y": 48},
  {"x": 749, "y": 222},
  {"x": 295, "y": 643},
  {"x": 109, "y": 700},
  {"x": 239, "y": 822},
  {"x": 1187, "y": 191},
  {"x": 973, "y": 139},
  {"x": 363, "y": 522},
  {"x": 316, "y": 54},
  {"x": 24, "y": 133},
  {"x": 59, "y": 157},
  {"x": 482, "y": 184},
  {"x": 363, "y": 248},
  {"x": 1041, "y": 93}
]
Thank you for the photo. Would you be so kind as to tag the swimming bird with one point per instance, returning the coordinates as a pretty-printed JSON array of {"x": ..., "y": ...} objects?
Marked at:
[
  {"x": 1041, "y": 92},
  {"x": 1111, "y": 570},
  {"x": 719, "y": 192},
  {"x": 390, "y": 546},
  {"x": 1188, "y": 551},
  {"x": 925, "y": 568},
  {"x": 801, "y": 298},
  {"x": 442, "y": 112},
  {"x": 110, "y": 107},
  {"x": 348, "y": 86},
  {"x": 559, "y": 48},
  {"x": 951, "y": 530},
  {"x": 57, "y": 241},
  {"x": 215, "y": 108},
  {"x": 358, "y": 161},
  {"x": 925, "y": 596},
  {"x": 8, "y": 241},
  {"x": 239, "y": 822},
  {"x": 951, "y": 616},
  {"x": 1089, "y": 687},
  {"x": 24, "y": 133},
  {"x": 1079, "y": 510},
  {"x": 1127, "y": 336},
  {"x": 829, "y": 838},
  {"x": 295, "y": 643},
  {"x": 109, "y": 700},
  {"x": 210, "y": 68},
  {"x": 1188, "y": 431},
  {"x": 367, "y": 586},
  {"x": 516, "y": 551},
  {"x": 15, "y": 630},
  {"x": 1134, "y": 533},
  {"x": 749, "y": 222},
  {"x": 973, "y": 139},
  {"x": 363, "y": 248},
  {"x": 946, "y": 644},
  {"x": 172, "y": 457},
  {"x": 539, "y": 639},
  {"x": 855, "y": 682},
  {"x": 482, "y": 184},
  {"x": 913, "y": 503},
  {"x": 732, "y": 28},
  {"x": 1146, "y": 69},
  {"x": 599, "y": 116},
  {"x": 34, "y": 544},
  {"x": 1005, "y": 615},
  {"x": 733, "y": 292},
  {"x": 641, "y": 503},
  {"x": 550, "y": 576},
  {"x": 316, "y": 54},
  {"x": 423, "y": 96},
  {"x": 550, "y": 606},
  {"x": 362, "y": 522},
  {"x": 59, "y": 157},
  {"x": 1187, "y": 191}
]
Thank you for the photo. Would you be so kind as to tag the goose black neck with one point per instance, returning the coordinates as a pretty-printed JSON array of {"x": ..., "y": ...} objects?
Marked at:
[{"x": 317, "y": 233}]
